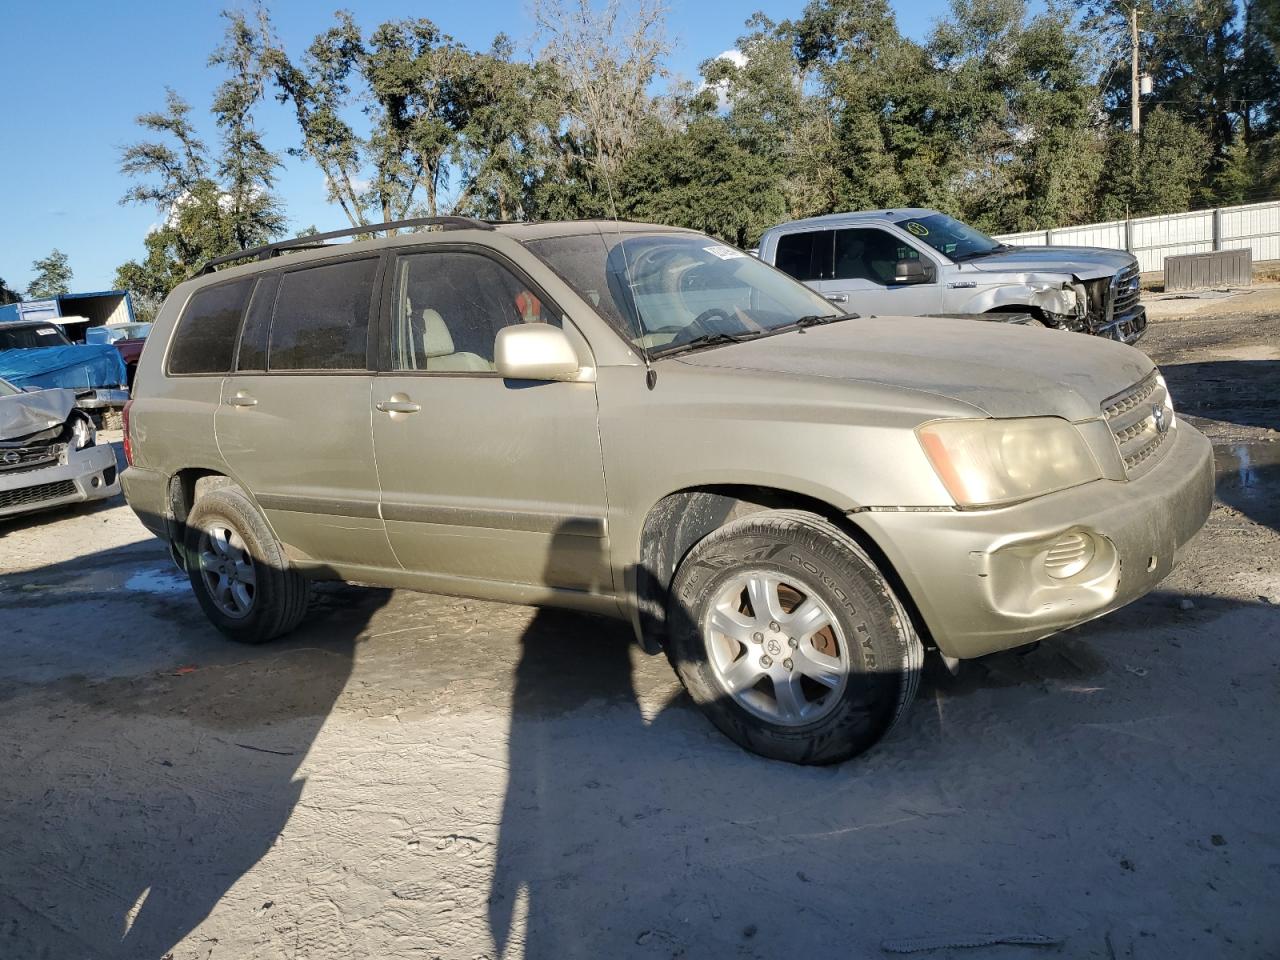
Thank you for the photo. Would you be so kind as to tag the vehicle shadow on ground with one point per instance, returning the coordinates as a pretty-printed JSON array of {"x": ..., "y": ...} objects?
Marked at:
[
  {"x": 156, "y": 789},
  {"x": 1230, "y": 391}
]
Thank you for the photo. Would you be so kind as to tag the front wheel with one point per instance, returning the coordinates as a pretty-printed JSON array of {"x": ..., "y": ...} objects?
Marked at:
[{"x": 790, "y": 640}]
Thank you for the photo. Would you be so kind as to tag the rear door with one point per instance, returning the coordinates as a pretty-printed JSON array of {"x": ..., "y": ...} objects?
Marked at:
[
  {"x": 293, "y": 424},
  {"x": 482, "y": 478},
  {"x": 862, "y": 275}
]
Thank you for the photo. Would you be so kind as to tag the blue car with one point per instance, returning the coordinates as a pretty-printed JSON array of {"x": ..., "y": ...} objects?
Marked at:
[{"x": 36, "y": 355}]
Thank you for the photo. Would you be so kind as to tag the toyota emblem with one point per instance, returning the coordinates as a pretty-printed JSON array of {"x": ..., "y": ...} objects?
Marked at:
[{"x": 11, "y": 457}]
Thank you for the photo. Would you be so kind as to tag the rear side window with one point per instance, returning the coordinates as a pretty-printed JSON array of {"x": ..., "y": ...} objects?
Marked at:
[
  {"x": 205, "y": 341},
  {"x": 805, "y": 256},
  {"x": 321, "y": 317}
]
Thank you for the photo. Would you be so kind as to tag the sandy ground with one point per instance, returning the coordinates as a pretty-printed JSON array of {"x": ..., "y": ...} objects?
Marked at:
[{"x": 415, "y": 776}]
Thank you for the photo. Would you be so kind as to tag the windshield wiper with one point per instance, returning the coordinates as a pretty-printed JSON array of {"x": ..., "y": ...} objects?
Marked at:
[
  {"x": 817, "y": 320},
  {"x": 709, "y": 340}
]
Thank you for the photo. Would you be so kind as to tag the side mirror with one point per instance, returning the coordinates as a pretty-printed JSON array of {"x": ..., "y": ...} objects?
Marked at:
[
  {"x": 910, "y": 271},
  {"x": 534, "y": 351}
]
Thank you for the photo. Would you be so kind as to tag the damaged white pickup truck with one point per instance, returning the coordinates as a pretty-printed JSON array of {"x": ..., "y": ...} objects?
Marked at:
[
  {"x": 49, "y": 452},
  {"x": 914, "y": 262}
]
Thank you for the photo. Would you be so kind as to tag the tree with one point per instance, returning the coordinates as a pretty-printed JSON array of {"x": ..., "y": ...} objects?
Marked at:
[
  {"x": 8, "y": 294},
  {"x": 53, "y": 276},
  {"x": 212, "y": 205},
  {"x": 702, "y": 178}
]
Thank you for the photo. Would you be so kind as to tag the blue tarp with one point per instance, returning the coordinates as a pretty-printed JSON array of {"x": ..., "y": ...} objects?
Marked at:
[{"x": 79, "y": 367}]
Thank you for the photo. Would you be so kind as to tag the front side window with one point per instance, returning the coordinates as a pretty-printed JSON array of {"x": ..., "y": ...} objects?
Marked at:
[
  {"x": 669, "y": 291},
  {"x": 205, "y": 340},
  {"x": 949, "y": 236},
  {"x": 449, "y": 307},
  {"x": 321, "y": 319},
  {"x": 870, "y": 254}
]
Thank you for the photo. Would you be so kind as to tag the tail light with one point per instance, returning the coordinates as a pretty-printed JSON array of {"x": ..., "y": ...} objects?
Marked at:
[{"x": 128, "y": 443}]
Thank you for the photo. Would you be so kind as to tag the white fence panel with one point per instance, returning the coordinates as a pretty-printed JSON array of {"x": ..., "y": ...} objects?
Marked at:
[{"x": 1151, "y": 239}]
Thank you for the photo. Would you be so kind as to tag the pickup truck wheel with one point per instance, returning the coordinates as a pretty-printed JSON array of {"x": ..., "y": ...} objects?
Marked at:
[
  {"x": 238, "y": 569},
  {"x": 790, "y": 640}
]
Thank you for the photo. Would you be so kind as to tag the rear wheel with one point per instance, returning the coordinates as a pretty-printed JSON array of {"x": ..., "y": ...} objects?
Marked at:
[
  {"x": 787, "y": 636},
  {"x": 238, "y": 569}
]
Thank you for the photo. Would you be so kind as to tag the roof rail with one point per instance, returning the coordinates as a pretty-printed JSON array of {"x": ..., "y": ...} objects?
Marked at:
[{"x": 315, "y": 240}]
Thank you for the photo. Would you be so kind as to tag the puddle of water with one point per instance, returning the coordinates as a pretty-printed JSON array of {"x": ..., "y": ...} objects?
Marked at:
[
  {"x": 1249, "y": 479},
  {"x": 164, "y": 582}
]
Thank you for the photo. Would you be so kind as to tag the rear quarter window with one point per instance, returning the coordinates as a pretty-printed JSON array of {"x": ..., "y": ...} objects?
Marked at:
[{"x": 205, "y": 341}]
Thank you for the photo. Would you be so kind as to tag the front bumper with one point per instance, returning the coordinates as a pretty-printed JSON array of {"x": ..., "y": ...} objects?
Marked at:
[
  {"x": 1128, "y": 327},
  {"x": 978, "y": 577},
  {"x": 85, "y": 475}
]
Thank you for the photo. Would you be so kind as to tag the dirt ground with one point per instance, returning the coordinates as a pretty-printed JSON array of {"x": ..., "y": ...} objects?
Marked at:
[{"x": 417, "y": 776}]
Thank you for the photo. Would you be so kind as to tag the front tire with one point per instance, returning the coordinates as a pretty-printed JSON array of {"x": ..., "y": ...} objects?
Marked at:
[
  {"x": 788, "y": 637},
  {"x": 238, "y": 569}
]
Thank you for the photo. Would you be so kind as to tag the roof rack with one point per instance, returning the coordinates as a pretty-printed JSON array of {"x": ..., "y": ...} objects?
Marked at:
[{"x": 315, "y": 241}]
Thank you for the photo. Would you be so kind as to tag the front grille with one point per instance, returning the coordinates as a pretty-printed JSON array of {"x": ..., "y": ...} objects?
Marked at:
[
  {"x": 1126, "y": 290},
  {"x": 32, "y": 496},
  {"x": 1141, "y": 420},
  {"x": 20, "y": 459}
]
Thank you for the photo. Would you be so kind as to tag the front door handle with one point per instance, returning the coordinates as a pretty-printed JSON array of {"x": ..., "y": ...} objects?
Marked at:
[
  {"x": 399, "y": 403},
  {"x": 241, "y": 399},
  {"x": 839, "y": 298}
]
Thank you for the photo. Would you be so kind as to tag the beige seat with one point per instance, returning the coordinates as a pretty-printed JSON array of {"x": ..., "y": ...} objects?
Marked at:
[{"x": 437, "y": 347}]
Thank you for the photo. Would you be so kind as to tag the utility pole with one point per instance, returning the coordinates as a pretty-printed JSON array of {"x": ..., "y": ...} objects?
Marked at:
[{"x": 1135, "y": 82}]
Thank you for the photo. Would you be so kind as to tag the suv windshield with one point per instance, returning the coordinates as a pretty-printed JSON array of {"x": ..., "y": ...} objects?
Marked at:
[
  {"x": 947, "y": 235},
  {"x": 667, "y": 292},
  {"x": 24, "y": 338}
]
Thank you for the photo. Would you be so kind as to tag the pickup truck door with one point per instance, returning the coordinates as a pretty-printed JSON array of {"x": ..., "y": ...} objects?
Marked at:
[{"x": 862, "y": 275}]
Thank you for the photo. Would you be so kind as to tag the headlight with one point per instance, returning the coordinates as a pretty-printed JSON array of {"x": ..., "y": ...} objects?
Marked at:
[
  {"x": 987, "y": 462},
  {"x": 82, "y": 433}
]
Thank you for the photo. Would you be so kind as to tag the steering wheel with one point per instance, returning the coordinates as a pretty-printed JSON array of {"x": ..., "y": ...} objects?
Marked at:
[{"x": 698, "y": 326}]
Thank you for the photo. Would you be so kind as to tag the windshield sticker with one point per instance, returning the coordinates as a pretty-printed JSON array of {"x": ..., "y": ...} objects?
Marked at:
[
  {"x": 919, "y": 229},
  {"x": 723, "y": 252}
]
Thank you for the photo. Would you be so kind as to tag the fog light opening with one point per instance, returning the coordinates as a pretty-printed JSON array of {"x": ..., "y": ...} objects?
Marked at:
[
  {"x": 96, "y": 482},
  {"x": 1069, "y": 555}
]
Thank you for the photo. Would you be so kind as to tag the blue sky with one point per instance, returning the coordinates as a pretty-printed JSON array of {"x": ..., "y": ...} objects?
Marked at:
[{"x": 77, "y": 72}]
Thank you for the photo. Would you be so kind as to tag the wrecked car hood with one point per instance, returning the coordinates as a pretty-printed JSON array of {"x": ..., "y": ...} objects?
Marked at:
[
  {"x": 1000, "y": 369},
  {"x": 1084, "y": 263},
  {"x": 81, "y": 366},
  {"x": 26, "y": 413}
]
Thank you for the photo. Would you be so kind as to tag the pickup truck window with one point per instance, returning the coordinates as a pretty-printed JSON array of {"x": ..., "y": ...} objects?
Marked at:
[
  {"x": 870, "y": 254},
  {"x": 949, "y": 236},
  {"x": 805, "y": 256},
  {"x": 26, "y": 338}
]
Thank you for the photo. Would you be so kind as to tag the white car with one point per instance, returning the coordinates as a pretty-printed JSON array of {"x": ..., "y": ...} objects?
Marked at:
[{"x": 49, "y": 452}]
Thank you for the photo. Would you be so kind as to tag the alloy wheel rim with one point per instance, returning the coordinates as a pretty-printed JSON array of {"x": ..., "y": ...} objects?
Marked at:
[
  {"x": 776, "y": 648},
  {"x": 229, "y": 574}
]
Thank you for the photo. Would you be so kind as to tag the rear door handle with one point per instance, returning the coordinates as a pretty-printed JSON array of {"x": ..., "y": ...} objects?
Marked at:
[
  {"x": 395, "y": 405},
  {"x": 242, "y": 399},
  {"x": 839, "y": 298}
]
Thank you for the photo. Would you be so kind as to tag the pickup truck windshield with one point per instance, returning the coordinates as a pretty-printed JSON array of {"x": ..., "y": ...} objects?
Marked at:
[
  {"x": 957, "y": 240},
  {"x": 668, "y": 292},
  {"x": 24, "y": 338}
]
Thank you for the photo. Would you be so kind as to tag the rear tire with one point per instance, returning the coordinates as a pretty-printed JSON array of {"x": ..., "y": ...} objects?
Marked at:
[
  {"x": 238, "y": 569},
  {"x": 850, "y": 659}
]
